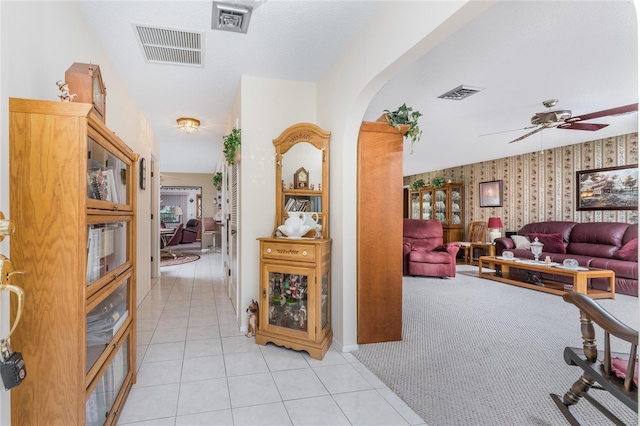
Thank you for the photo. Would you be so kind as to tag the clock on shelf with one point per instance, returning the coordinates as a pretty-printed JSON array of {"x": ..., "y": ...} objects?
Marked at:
[
  {"x": 85, "y": 80},
  {"x": 301, "y": 179}
]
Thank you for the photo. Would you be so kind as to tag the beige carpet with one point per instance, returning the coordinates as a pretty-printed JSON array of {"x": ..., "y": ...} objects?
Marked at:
[
  {"x": 479, "y": 352},
  {"x": 179, "y": 260}
]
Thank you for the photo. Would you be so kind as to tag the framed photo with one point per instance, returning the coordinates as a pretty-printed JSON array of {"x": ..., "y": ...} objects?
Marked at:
[
  {"x": 491, "y": 194},
  {"x": 609, "y": 188}
]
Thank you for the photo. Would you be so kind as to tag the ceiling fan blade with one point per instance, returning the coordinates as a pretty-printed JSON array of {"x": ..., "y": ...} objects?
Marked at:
[
  {"x": 604, "y": 113},
  {"x": 505, "y": 131},
  {"x": 582, "y": 126},
  {"x": 528, "y": 134}
]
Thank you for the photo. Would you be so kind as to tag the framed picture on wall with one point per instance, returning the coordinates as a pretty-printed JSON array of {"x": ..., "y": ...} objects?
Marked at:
[
  {"x": 491, "y": 194},
  {"x": 609, "y": 188}
]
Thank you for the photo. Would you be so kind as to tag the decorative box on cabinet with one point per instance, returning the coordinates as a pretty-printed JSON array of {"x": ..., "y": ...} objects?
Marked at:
[
  {"x": 73, "y": 201},
  {"x": 295, "y": 281},
  {"x": 295, "y": 294},
  {"x": 379, "y": 231},
  {"x": 444, "y": 204}
]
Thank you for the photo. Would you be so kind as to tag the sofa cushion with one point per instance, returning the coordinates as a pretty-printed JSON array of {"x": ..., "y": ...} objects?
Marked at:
[
  {"x": 622, "y": 268},
  {"x": 425, "y": 256},
  {"x": 550, "y": 227},
  {"x": 521, "y": 242},
  {"x": 552, "y": 242},
  {"x": 628, "y": 251},
  {"x": 597, "y": 239},
  {"x": 630, "y": 233}
]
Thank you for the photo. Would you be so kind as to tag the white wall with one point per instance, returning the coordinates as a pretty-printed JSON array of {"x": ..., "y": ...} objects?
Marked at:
[
  {"x": 39, "y": 41},
  {"x": 344, "y": 91},
  {"x": 268, "y": 107}
]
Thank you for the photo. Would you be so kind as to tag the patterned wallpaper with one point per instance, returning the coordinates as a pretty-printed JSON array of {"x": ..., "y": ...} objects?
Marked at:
[{"x": 540, "y": 187}]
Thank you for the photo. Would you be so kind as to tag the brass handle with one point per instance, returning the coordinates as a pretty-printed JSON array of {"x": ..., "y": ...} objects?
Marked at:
[
  {"x": 6, "y": 271},
  {"x": 233, "y": 232},
  {"x": 7, "y": 227},
  {"x": 115, "y": 207},
  {"x": 264, "y": 293}
]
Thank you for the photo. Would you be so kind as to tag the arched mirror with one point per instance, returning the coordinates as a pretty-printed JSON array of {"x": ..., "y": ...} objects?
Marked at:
[{"x": 302, "y": 177}]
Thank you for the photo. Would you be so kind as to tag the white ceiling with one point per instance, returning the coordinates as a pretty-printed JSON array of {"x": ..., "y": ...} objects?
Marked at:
[{"x": 583, "y": 53}]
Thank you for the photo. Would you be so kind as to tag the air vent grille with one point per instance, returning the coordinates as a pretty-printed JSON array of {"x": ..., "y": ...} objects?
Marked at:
[
  {"x": 460, "y": 92},
  {"x": 231, "y": 17},
  {"x": 170, "y": 46}
]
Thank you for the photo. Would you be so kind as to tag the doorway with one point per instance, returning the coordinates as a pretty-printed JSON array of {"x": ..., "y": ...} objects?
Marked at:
[{"x": 178, "y": 206}]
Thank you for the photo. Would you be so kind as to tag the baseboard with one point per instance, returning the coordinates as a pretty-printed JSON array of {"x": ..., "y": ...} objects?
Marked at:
[{"x": 337, "y": 345}]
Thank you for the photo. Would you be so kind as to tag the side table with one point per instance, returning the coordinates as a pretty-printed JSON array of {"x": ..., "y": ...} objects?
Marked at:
[{"x": 489, "y": 248}]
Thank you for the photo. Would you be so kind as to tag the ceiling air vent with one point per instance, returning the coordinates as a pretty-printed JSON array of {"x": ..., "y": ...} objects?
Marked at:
[
  {"x": 170, "y": 46},
  {"x": 460, "y": 93},
  {"x": 231, "y": 17}
]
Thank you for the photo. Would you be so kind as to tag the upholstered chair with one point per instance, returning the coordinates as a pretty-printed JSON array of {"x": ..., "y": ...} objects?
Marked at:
[
  {"x": 424, "y": 252},
  {"x": 190, "y": 231}
]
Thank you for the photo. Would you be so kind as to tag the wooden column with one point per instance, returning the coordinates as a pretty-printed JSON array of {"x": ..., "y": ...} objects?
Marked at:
[{"x": 379, "y": 233}]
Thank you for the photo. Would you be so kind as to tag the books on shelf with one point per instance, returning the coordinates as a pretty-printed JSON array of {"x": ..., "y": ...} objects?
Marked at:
[
  {"x": 102, "y": 185},
  {"x": 296, "y": 205}
]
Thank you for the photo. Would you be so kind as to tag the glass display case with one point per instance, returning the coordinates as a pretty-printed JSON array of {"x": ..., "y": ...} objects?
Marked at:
[
  {"x": 443, "y": 204},
  {"x": 295, "y": 281}
]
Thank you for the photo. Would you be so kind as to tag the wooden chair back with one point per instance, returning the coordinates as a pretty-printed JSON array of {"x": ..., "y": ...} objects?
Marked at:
[{"x": 477, "y": 232}]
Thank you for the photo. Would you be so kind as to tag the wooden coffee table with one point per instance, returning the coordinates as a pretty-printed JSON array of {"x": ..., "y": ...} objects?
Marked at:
[{"x": 579, "y": 276}]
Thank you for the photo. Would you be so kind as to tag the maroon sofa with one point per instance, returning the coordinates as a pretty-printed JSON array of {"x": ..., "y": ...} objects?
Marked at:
[
  {"x": 604, "y": 245},
  {"x": 424, "y": 252}
]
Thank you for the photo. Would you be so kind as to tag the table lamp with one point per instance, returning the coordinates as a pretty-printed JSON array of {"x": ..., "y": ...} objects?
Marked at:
[
  {"x": 495, "y": 226},
  {"x": 177, "y": 211}
]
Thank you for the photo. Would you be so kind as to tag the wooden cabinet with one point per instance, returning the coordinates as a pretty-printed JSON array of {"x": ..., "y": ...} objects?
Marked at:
[
  {"x": 295, "y": 279},
  {"x": 295, "y": 288},
  {"x": 73, "y": 202},
  {"x": 379, "y": 233},
  {"x": 444, "y": 204}
]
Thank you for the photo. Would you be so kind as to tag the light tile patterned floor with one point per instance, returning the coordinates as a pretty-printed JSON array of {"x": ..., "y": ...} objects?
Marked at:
[{"x": 196, "y": 368}]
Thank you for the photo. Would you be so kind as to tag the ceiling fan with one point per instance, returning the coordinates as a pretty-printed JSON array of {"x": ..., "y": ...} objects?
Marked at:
[{"x": 562, "y": 119}]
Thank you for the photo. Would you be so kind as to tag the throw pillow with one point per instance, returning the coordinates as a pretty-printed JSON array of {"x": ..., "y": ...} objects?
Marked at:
[
  {"x": 628, "y": 251},
  {"x": 552, "y": 242},
  {"x": 521, "y": 242}
]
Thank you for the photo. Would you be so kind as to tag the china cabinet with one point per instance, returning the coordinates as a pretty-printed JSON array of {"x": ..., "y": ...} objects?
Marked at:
[
  {"x": 379, "y": 231},
  {"x": 73, "y": 200},
  {"x": 444, "y": 204},
  {"x": 295, "y": 273}
]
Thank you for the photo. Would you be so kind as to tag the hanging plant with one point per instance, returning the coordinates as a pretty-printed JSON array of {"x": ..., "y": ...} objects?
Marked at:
[
  {"x": 217, "y": 180},
  {"x": 405, "y": 115},
  {"x": 231, "y": 145},
  {"x": 437, "y": 182},
  {"x": 418, "y": 184}
]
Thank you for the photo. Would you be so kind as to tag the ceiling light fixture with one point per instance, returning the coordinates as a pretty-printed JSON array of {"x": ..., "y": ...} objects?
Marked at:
[{"x": 188, "y": 125}]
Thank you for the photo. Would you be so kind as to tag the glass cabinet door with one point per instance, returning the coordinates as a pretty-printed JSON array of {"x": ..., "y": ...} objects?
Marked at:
[
  {"x": 456, "y": 202},
  {"x": 414, "y": 208},
  {"x": 441, "y": 205},
  {"x": 107, "y": 175},
  {"x": 104, "y": 321},
  {"x": 427, "y": 200},
  {"x": 99, "y": 403},
  {"x": 325, "y": 299},
  {"x": 289, "y": 293},
  {"x": 106, "y": 248}
]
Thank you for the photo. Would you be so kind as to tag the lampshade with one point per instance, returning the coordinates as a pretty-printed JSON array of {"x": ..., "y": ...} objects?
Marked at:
[
  {"x": 177, "y": 211},
  {"x": 188, "y": 125},
  {"x": 494, "y": 222}
]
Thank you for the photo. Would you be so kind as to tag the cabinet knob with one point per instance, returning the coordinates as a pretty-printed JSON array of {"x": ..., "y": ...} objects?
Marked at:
[
  {"x": 115, "y": 207},
  {"x": 268, "y": 250},
  {"x": 304, "y": 252}
]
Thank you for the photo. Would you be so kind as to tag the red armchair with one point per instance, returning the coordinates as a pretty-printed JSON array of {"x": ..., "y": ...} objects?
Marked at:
[{"x": 424, "y": 252}]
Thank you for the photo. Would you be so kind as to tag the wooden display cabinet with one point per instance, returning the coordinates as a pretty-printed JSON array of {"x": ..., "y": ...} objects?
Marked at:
[
  {"x": 295, "y": 282},
  {"x": 295, "y": 294},
  {"x": 73, "y": 202},
  {"x": 444, "y": 204}
]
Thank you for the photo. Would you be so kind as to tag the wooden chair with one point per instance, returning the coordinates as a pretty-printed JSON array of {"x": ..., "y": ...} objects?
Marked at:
[
  {"x": 599, "y": 366},
  {"x": 476, "y": 233}
]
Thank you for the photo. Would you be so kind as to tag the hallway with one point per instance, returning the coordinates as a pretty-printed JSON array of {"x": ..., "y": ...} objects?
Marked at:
[{"x": 196, "y": 368}]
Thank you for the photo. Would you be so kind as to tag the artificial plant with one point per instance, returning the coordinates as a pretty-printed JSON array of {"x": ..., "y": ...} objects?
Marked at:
[
  {"x": 418, "y": 184},
  {"x": 231, "y": 145},
  {"x": 437, "y": 182},
  {"x": 405, "y": 115},
  {"x": 217, "y": 180}
]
